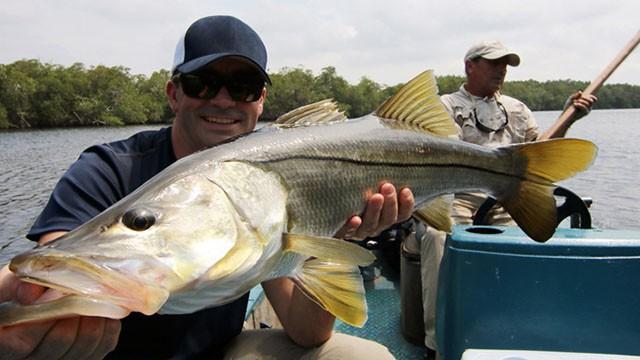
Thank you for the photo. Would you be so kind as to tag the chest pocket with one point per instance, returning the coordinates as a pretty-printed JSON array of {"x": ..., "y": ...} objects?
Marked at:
[
  {"x": 517, "y": 127},
  {"x": 465, "y": 120}
]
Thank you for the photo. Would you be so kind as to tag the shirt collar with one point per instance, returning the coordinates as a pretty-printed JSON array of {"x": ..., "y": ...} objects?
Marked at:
[{"x": 479, "y": 98}]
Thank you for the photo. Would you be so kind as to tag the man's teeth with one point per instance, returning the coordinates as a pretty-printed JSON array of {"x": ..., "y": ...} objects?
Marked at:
[{"x": 217, "y": 120}]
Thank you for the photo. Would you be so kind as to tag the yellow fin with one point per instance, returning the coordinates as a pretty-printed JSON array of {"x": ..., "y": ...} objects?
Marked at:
[
  {"x": 533, "y": 208},
  {"x": 321, "y": 112},
  {"x": 337, "y": 288},
  {"x": 436, "y": 213},
  {"x": 532, "y": 205},
  {"x": 328, "y": 249},
  {"x": 557, "y": 159},
  {"x": 417, "y": 106}
]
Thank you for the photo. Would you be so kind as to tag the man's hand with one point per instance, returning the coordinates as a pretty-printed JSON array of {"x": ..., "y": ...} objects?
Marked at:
[
  {"x": 71, "y": 338},
  {"x": 384, "y": 209},
  {"x": 583, "y": 104},
  {"x": 295, "y": 310}
]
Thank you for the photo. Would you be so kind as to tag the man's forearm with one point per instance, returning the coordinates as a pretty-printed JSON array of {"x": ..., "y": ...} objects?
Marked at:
[{"x": 304, "y": 321}]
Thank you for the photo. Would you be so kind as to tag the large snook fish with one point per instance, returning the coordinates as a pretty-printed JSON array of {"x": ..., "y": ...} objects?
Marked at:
[{"x": 214, "y": 224}]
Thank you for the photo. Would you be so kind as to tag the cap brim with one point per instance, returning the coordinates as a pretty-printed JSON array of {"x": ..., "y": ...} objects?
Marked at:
[
  {"x": 197, "y": 64},
  {"x": 512, "y": 58}
]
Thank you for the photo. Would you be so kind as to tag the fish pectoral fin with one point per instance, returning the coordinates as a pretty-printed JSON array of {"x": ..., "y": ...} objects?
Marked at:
[
  {"x": 328, "y": 249},
  {"x": 436, "y": 213},
  {"x": 417, "y": 107},
  {"x": 321, "y": 112},
  {"x": 12, "y": 313},
  {"x": 337, "y": 288}
]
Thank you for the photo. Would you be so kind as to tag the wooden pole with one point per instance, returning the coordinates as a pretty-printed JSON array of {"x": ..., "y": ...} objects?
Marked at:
[{"x": 565, "y": 119}]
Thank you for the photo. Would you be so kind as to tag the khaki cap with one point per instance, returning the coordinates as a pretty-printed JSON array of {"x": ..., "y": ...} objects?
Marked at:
[{"x": 492, "y": 50}]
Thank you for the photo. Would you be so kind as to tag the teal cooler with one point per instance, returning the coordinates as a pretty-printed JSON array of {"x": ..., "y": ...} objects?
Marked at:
[{"x": 577, "y": 292}]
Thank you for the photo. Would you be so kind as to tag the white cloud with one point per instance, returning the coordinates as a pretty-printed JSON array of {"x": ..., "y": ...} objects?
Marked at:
[{"x": 387, "y": 41}]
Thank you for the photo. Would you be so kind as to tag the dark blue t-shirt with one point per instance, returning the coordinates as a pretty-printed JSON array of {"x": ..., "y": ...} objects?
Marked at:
[{"x": 102, "y": 175}]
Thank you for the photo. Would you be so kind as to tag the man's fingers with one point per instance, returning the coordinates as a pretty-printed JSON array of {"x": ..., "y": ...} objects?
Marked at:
[
  {"x": 19, "y": 341},
  {"x": 90, "y": 330},
  {"x": 370, "y": 217},
  {"x": 349, "y": 228},
  {"x": 109, "y": 340},
  {"x": 406, "y": 203},
  {"x": 389, "y": 214},
  {"x": 58, "y": 340},
  {"x": 383, "y": 210},
  {"x": 96, "y": 337}
]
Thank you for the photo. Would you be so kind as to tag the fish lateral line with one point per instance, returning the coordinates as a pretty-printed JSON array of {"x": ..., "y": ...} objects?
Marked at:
[{"x": 396, "y": 165}]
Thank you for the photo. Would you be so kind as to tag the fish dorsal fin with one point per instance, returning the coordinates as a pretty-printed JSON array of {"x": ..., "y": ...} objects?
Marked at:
[
  {"x": 417, "y": 107},
  {"x": 436, "y": 213},
  {"x": 328, "y": 249},
  {"x": 321, "y": 112}
]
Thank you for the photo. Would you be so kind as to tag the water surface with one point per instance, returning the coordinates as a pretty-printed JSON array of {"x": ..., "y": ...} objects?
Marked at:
[{"x": 32, "y": 161}]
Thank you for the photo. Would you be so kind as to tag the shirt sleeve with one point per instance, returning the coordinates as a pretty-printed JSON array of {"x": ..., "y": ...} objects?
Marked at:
[
  {"x": 532, "y": 132},
  {"x": 90, "y": 185}
]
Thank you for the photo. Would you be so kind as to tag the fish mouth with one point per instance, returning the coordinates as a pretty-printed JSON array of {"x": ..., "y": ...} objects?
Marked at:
[{"x": 73, "y": 275}]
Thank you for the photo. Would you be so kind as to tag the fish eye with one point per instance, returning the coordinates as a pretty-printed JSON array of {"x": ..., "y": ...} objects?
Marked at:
[{"x": 138, "y": 219}]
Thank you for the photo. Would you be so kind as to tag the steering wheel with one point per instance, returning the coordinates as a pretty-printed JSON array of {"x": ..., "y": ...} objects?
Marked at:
[{"x": 573, "y": 206}]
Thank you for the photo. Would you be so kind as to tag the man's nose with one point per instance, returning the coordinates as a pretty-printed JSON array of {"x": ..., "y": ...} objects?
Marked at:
[{"x": 223, "y": 99}]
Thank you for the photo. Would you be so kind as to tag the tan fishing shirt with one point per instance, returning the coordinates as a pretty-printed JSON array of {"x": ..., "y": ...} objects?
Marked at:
[{"x": 520, "y": 127}]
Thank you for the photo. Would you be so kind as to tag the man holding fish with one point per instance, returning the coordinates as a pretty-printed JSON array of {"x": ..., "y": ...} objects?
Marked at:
[
  {"x": 485, "y": 117},
  {"x": 217, "y": 93}
]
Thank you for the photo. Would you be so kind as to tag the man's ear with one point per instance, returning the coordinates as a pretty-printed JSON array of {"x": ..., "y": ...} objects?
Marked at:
[
  {"x": 468, "y": 66},
  {"x": 263, "y": 96},
  {"x": 171, "y": 89},
  {"x": 261, "y": 101}
]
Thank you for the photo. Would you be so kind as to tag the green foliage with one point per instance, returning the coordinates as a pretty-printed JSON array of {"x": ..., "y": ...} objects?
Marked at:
[
  {"x": 152, "y": 98},
  {"x": 4, "y": 119},
  {"x": 291, "y": 88},
  {"x": 449, "y": 83},
  {"x": 36, "y": 95},
  {"x": 294, "y": 87}
]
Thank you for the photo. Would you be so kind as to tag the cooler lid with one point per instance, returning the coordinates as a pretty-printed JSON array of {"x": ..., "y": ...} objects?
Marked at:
[{"x": 565, "y": 241}]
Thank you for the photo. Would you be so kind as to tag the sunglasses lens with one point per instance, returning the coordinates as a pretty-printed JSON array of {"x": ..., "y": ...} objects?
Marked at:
[
  {"x": 199, "y": 87},
  {"x": 245, "y": 90},
  {"x": 207, "y": 87}
]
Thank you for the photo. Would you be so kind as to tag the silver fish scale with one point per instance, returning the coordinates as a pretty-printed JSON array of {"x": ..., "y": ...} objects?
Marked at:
[{"x": 322, "y": 165}]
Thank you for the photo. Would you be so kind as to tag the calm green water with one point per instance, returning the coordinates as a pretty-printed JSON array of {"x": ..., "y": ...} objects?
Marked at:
[{"x": 32, "y": 161}]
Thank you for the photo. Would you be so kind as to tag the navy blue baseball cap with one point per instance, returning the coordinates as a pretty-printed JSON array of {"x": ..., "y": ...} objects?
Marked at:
[{"x": 216, "y": 37}]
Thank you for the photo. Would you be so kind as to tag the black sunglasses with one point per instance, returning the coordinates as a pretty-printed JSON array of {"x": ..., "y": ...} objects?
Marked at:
[
  {"x": 486, "y": 125},
  {"x": 206, "y": 86}
]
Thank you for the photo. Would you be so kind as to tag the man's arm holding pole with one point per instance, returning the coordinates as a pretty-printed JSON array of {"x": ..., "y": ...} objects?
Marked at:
[{"x": 580, "y": 103}]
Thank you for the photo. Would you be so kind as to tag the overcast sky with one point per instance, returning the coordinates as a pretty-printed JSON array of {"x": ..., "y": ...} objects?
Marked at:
[{"x": 387, "y": 41}]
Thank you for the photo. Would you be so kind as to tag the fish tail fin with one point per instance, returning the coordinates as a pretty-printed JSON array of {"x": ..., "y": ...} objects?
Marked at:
[
  {"x": 337, "y": 288},
  {"x": 531, "y": 203}
]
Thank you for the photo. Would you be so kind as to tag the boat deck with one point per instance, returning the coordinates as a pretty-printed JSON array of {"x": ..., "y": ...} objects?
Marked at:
[
  {"x": 383, "y": 326},
  {"x": 382, "y": 284}
]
